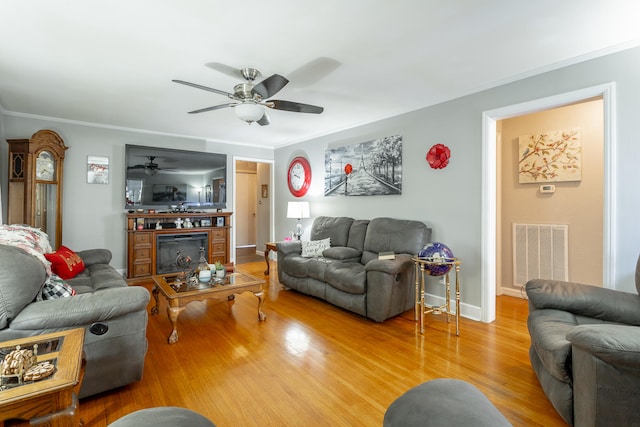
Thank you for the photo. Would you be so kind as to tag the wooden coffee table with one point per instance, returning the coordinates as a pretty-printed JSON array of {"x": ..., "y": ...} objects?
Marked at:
[
  {"x": 178, "y": 294},
  {"x": 50, "y": 401}
]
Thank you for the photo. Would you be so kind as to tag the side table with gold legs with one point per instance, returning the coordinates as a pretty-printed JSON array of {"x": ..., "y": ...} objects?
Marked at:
[{"x": 421, "y": 308}]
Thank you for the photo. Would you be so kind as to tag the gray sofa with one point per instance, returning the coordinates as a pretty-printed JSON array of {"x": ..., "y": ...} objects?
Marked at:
[
  {"x": 349, "y": 273},
  {"x": 113, "y": 314},
  {"x": 585, "y": 350}
]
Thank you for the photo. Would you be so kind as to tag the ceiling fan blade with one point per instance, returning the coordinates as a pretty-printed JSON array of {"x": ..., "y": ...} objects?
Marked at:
[
  {"x": 225, "y": 69},
  {"x": 313, "y": 71},
  {"x": 270, "y": 86},
  {"x": 215, "y": 107},
  {"x": 210, "y": 89},
  {"x": 296, "y": 107},
  {"x": 265, "y": 120}
]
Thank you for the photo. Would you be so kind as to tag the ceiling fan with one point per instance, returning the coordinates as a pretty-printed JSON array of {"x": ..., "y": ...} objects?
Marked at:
[
  {"x": 249, "y": 99},
  {"x": 150, "y": 168}
]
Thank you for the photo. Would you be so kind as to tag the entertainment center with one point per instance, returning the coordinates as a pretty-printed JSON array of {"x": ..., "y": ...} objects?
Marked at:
[{"x": 153, "y": 240}]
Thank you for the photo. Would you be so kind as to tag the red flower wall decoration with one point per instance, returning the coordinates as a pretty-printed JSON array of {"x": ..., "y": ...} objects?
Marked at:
[{"x": 438, "y": 156}]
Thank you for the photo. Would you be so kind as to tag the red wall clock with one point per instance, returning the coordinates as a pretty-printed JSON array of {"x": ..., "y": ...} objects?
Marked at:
[{"x": 299, "y": 176}]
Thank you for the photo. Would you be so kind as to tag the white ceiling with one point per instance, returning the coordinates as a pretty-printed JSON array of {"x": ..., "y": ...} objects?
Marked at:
[{"x": 112, "y": 62}]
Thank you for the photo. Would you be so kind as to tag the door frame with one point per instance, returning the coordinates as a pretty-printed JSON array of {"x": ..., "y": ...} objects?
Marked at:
[
  {"x": 234, "y": 160},
  {"x": 489, "y": 184}
]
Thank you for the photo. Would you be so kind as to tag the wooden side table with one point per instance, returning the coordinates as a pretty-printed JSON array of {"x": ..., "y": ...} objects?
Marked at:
[
  {"x": 268, "y": 247},
  {"x": 421, "y": 272},
  {"x": 51, "y": 401}
]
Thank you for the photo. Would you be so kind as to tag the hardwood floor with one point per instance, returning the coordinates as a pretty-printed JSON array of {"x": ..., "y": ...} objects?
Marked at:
[
  {"x": 311, "y": 363},
  {"x": 247, "y": 255}
]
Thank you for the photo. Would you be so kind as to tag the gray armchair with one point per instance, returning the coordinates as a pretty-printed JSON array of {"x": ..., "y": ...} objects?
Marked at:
[{"x": 585, "y": 350}]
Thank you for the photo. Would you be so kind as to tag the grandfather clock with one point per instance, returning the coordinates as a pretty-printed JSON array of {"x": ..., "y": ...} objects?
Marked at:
[{"x": 35, "y": 183}]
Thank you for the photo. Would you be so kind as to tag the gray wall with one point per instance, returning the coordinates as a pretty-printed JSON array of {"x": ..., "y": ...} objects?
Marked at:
[
  {"x": 449, "y": 200},
  {"x": 94, "y": 215}
]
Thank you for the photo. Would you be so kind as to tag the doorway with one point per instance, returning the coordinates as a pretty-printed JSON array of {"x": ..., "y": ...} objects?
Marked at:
[
  {"x": 555, "y": 231},
  {"x": 490, "y": 178},
  {"x": 252, "y": 218}
]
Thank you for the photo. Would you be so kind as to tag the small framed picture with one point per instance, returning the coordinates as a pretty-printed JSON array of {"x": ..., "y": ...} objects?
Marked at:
[
  {"x": 205, "y": 222},
  {"x": 219, "y": 221},
  {"x": 97, "y": 170},
  {"x": 265, "y": 191}
]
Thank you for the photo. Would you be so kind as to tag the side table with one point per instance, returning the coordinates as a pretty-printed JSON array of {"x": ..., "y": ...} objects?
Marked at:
[
  {"x": 268, "y": 247},
  {"x": 51, "y": 401},
  {"x": 421, "y": 266}
]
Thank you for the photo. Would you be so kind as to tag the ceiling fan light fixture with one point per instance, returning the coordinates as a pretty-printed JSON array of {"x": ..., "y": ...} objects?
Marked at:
[
  {"x": 150, "y": 171},
  {"x": 249, "y": 112},
  {"x": 249, "y": 99}
]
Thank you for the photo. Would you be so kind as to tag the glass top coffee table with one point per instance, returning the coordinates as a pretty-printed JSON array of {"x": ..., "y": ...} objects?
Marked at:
[{"x": 178, "y": 293}]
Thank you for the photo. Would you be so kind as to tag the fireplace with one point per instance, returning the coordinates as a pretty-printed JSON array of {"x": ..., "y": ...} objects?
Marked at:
[{"x": 168, "y": 245}]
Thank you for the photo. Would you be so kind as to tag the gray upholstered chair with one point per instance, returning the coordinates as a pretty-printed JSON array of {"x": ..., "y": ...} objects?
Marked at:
[
  {"x": 444, "y": 402},
  {"x": 585, "y": 350},
  {"x": 165, "y": 416}
]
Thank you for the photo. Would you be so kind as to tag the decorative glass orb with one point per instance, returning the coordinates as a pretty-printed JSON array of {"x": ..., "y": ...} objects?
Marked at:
[
  {"x": 436, "y": 251},
  {"x": 183, "y": 261}
]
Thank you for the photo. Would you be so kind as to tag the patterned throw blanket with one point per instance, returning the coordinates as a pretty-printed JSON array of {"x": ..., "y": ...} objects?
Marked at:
[
  {"x": 36, "y": 242},
  {"x": 31, "y": 240}
]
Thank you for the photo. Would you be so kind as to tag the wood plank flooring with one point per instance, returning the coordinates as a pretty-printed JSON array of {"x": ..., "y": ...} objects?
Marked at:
[{"x": 313, "y": 364}]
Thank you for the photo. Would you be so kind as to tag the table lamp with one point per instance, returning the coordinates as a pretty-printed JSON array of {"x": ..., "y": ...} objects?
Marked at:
[{"x": 298, "y": 210}]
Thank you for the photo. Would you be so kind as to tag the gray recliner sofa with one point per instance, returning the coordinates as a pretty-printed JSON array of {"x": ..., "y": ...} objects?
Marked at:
[
  {"x": 113, "y": 314},
  {"x": 585, "y": 350},
  {"x": 349, "y": 273}
]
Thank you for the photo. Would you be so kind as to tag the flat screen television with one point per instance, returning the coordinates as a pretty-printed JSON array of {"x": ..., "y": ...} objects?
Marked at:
[{"x": 169, "y": 179}]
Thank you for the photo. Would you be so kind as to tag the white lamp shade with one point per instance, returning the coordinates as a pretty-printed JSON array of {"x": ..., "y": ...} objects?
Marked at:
[
  {"x": 249, "y": 112},
  {"x": 298, "y": 210}
]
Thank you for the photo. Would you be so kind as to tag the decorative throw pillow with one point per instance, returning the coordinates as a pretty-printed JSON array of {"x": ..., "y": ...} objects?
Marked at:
[
  {"x": 55, "y": 287},
  {"x": 315, "y": 247},
  {"x": 65, "y": 263}
]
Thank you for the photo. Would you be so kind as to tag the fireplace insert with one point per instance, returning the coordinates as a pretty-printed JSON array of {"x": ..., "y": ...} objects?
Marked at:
[{"x": 168, "y": 245}]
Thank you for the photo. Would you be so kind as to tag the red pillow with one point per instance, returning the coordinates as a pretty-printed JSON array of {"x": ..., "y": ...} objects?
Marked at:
[{"x": 65, "y": 263}]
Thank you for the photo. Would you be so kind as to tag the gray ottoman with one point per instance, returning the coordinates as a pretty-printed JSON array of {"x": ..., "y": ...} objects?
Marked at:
[
  {"x": 165, "y": 416},
  {"x": 443, "y": 402}
]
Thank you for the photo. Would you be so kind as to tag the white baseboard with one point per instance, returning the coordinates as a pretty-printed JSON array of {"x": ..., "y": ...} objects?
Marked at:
[{"x": 518, "y": 293}]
